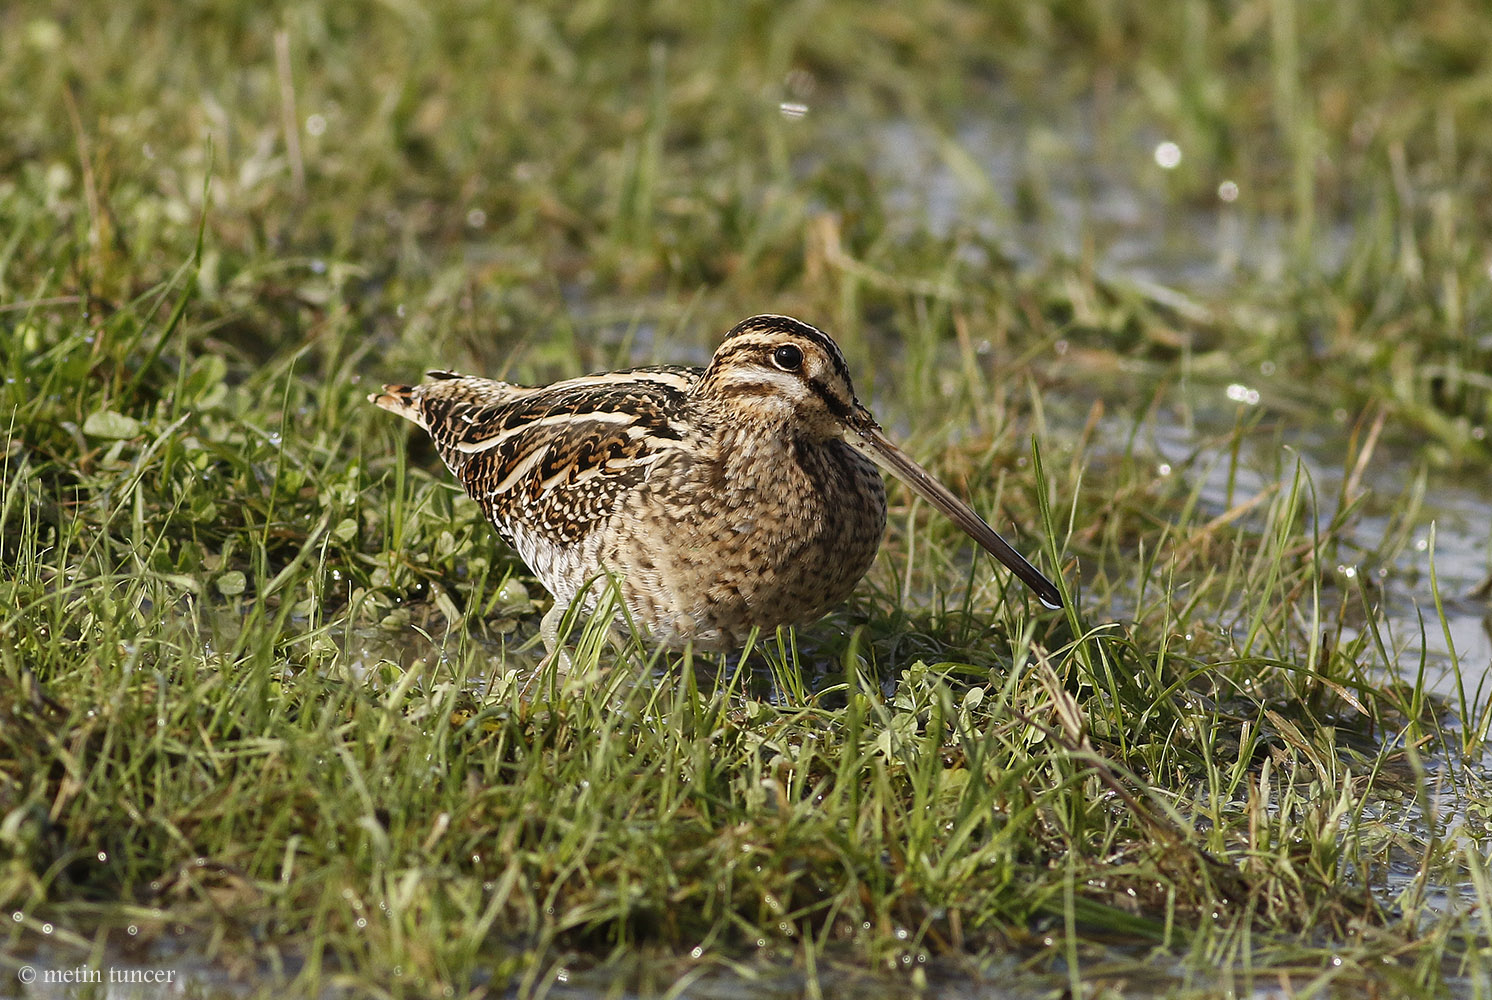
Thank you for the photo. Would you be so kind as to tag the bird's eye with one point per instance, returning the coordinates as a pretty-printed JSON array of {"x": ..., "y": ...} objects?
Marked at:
[{"x": 788, "y": 358}]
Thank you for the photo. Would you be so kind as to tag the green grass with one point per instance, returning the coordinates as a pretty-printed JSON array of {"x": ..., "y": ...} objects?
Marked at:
[{"x": 268, "y": 688}]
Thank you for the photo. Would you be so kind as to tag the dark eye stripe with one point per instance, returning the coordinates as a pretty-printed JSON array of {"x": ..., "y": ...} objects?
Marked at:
[{"x": 836, "y": 406}]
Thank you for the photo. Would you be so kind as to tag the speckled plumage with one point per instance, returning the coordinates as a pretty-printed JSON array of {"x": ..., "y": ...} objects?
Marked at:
[{"x": 722, "y": 498}]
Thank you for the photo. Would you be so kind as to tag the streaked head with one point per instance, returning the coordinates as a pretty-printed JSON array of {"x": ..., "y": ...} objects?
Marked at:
[{"x": 783, "y": 367}]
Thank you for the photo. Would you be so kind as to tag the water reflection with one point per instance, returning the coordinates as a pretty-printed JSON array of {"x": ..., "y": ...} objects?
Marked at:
[
  {"x": 1452, "y": 510},
  {"x": 1041, "y": 188}
]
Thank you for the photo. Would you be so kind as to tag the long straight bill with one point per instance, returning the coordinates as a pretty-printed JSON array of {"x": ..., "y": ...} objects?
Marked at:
[{"x": 894, "y": 460}]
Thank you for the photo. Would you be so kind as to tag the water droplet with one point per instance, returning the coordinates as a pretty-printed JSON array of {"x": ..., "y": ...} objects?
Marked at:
[
  {"x": 793, "y": 109},
  {"x": 476, "y": 218},
  {"x": 1168, "y": 155},
  {"x": 315, "y": 124},
  {"x": 1226, "y": 191},
  {"x": 1243, "y": 394}
]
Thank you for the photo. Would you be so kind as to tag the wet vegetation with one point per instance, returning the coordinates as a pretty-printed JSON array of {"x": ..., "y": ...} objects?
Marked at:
[{"x": 1193, "y": 300}]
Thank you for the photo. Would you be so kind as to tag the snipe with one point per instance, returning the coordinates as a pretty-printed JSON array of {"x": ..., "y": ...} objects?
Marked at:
[{"x": 738, "y": 496}]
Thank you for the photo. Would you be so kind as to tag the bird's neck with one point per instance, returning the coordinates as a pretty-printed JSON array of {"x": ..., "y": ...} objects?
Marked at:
[{"x": 749, "y": 442}]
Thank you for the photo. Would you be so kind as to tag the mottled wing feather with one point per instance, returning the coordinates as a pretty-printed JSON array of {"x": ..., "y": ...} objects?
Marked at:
[{"x": 553, "y": 461}]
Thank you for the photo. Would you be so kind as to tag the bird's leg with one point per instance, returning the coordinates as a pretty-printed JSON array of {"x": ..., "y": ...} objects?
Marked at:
[
  {"x": 555, "y": 652},
  {"x": 556, "y": 645}
]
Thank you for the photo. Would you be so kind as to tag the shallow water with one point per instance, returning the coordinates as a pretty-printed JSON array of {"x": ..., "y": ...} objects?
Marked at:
[
  {"x": 1090, "y": 194},
  {"x": 1447, "y": 535},
  {"x": 1059, "y": 184}
]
